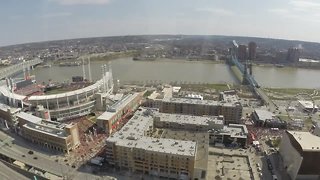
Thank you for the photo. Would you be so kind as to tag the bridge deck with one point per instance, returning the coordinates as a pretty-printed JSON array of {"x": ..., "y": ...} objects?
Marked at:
[{"x": 9, "y": 71}]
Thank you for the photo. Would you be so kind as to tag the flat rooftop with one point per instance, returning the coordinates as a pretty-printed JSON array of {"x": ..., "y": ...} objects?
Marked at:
[
  {"x": 308, "y": 104},
  {"x": 202, "y": 139},
  {"x": 264, "y": 114},
  {"x": 43, "y": 126},
  {"x": 200, "y": 102},
  {"x": 189, "y": 119},
  {"x": 156, "y": 95},
  {"x": 307, "y": 141},
  {"x": 168, "y": 146},
  {"x": 46, "y": 130},
  {"x": 235, "y": 130},
  {"x": 230, "y": 96},
  {"x": 117, "y": 106},
  {"x": 167, "y": 92},
  {"x": 132, "y": 135},
  {"x": 29, "y": 117}
]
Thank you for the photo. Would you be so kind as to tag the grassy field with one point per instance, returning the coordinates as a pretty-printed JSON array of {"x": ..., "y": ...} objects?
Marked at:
[
  {"x": 56, "y": 91},
  {"x": 289, "y": 91},
  {"x": 202, "y": 87},
  {"x": 284, "y": 117}
]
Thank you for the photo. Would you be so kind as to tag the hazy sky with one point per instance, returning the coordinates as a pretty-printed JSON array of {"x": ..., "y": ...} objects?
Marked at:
[{"x": 39, "y": 20}]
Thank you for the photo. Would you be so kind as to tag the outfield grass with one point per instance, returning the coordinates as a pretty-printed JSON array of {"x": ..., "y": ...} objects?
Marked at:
[{"x": 56, "y": 91}]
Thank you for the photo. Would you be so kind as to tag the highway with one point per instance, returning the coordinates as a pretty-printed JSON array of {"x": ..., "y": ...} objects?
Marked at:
[
  {"x": 18, "y": 148},
  {"x": 7, "y": 173}
]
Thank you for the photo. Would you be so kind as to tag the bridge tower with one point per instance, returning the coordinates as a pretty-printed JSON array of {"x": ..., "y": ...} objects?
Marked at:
[{"x": 250, "y": 68}]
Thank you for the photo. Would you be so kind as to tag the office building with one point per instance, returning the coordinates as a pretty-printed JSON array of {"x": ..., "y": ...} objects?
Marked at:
[
  {"x": 231, "y": 111},
  {"x": 242, "y": 52},
  {"x": 252, "y": 48},
  {"x": 293, "y": 55},
  {"x": 49, "y": 134},
  {"x": 300, "y": 152}
]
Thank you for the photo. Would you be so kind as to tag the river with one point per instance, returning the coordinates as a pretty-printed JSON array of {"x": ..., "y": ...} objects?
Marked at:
[{"x": 165, "y": 70}]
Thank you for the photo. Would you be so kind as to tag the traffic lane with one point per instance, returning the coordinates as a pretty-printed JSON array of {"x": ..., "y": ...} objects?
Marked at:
[
  {"x": 7, "y": 173},
  {"x": 266, "y": 173}
]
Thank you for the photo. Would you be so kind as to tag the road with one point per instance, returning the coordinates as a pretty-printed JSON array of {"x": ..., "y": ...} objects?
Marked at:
[
  {"x": 16, "y": 148},
  {"x": 7, "y": 173},
  {"x": 266, "y": 99}
]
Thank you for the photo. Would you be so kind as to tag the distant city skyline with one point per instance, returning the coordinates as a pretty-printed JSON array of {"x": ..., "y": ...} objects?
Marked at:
[{"x": 42, "y": 20}]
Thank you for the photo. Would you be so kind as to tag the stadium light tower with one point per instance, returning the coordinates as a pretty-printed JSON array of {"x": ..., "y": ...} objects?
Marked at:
[
  {"x": 83, "y": 69},
  {"x": 89, "y": 70}
]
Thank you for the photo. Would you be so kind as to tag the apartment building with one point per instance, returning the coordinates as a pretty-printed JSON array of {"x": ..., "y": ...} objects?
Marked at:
[
  {"x": 132, "y": 148},
  {"x": 229, "y": 135},
  {"x": 232, "y": 111}
]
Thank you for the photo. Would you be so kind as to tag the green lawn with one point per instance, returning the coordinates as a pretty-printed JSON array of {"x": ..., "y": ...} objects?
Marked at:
[
  {"x": 202, "y": 87},
  {"x": 289, "y": 91},
  {"x": 56, "y": 91}
]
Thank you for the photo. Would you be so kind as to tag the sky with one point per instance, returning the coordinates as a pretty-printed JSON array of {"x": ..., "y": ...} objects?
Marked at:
[{"x": 40, "y": 20}]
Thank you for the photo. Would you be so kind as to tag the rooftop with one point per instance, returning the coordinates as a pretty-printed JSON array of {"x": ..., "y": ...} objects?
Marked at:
[
  {"x": 189, "y": 119},
  {"x": 176, "y": 89},
  {"x": 167, "y": 92},
  {"x": 37, "y": 124},
  {"x": 200, "y": 102},
  {"x": 132, "y": 135},
  {"x": 29, "y": 117},
  {"x": 42, "y": 128},
  {"x": 234, "y": 130},
  {"x": 307, "y": 141},
  {"x": 117, "y": 106},
  {"x": 264, "y": 114},
  {"x": 154, "y": 95},
  {"x": 308, "y": 104},
  {"x": 230, "y": 96}
]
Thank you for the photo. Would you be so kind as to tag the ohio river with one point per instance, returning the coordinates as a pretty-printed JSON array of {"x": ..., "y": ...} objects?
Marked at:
[{"x": 127, "y": 70}]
